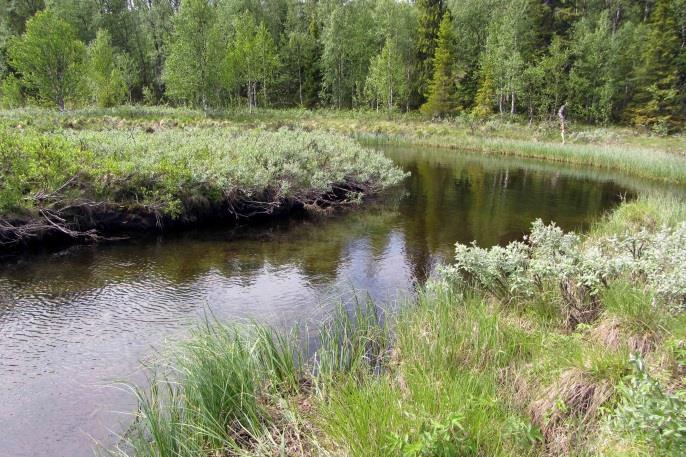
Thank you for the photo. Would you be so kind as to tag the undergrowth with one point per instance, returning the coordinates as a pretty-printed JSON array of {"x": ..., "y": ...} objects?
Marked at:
[{"x": 60, "y": 182}]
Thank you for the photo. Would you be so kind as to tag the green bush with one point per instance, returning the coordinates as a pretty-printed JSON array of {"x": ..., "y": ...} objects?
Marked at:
[
  {"x": 580, "y": 269},
  {"x": 162, "y": 170},
  {"x": 10, "y": 93},
  {"x": 649, "y": 413}
]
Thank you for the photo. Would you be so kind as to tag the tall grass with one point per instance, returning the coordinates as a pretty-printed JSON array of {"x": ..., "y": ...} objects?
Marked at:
[
  {"x": 617, "y": 149},
  {"x": 457, "y": 372}
]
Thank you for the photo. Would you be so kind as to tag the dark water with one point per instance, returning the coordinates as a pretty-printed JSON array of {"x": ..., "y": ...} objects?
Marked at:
[{"x": 73, "y": 321}]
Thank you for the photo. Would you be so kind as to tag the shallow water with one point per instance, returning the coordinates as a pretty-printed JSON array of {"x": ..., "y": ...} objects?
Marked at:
[{"x": 72, "y": 322}]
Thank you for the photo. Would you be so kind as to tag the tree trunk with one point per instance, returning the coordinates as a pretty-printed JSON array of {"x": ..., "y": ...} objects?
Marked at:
[
  {"x": 300, "y": 85},
  {"x": 561, "y": 114}
]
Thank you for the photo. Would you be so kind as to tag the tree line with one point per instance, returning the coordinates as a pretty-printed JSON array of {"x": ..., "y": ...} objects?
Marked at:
[{"x": 609, "y": 61}]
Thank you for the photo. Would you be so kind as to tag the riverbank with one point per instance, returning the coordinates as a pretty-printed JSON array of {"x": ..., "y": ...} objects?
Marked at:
[
  {"x": 88, "y": 184},
  {"x": 557, "y": 345},
  {"x": 92, "y": 174},
  {"x": 624, "y": 150}
]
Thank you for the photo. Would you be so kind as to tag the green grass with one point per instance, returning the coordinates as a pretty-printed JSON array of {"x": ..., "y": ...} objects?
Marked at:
[
  {"x": 609, "y": 148},
  {"x": 457, "y": 372}
]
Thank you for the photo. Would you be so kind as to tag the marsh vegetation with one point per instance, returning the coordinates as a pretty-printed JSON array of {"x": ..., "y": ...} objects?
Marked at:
[
  {"x": 87, "y": 184},
  {"x": 556, "y": 345}
]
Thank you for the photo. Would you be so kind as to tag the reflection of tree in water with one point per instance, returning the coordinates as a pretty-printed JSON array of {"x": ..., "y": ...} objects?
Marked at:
[
  {"x": 449, "y": 197},
  {"x": 314, "y": 247},
  {"x": 456, "y": 197}
]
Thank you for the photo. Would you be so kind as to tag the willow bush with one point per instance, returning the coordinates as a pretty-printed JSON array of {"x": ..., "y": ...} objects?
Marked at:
[{"x": 50, "y": 179}]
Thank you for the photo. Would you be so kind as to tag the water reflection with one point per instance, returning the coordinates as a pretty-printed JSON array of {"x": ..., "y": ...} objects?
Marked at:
[{"x": 70, "y": 320}]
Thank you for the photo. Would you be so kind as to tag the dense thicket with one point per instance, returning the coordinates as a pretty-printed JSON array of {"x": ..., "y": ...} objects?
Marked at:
[{"x": 608, "y": 60}]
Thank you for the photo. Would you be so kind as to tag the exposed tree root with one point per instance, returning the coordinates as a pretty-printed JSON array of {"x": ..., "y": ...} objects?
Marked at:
[{"x": 85, "y": 221}]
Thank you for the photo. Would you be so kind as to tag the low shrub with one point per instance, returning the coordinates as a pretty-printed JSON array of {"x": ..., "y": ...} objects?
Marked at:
[
  {"x": 648, "y": 412},
  {"x": 53, "y": 179},
  {"x": 579, "y": 269}
]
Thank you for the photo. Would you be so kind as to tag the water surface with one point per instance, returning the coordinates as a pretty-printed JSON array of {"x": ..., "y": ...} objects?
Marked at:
[{"x": 73, "y": 321}]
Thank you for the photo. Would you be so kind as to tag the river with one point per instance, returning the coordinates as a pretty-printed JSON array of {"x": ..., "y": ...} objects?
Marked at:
[{"x": 74, "y": 322}]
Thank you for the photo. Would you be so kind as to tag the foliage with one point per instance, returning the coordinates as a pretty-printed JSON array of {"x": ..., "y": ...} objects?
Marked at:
[
  {"x": 522, "y": 269},
  {"x": 436, "y": 439},
  {"x": 10, "y": 93},
  {"x": 609, "y": 62},
  {"x": 196, "y": 51},
  {"x": 430, "y": 14},
  {"x": 648, "y": 412},
  {"x": 660, "y": 102},
  {"x": 348, "y": 45},
  {"x": 237, "y": 173},
  {"x": 106, "y": 74},
  {"x": 442, "y": 93},
  {"x": 300, "y": 55},
  {"x": 49, "y": 57},
  {"x": 507, "y": 47},
  {"x": 30, "y": 164},
  {"x": 387, "y": 80},
  {"x": 252, "y": 57}
]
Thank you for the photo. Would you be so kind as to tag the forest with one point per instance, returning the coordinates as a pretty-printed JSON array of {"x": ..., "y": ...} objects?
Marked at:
[{"x": 605, "y": 61}]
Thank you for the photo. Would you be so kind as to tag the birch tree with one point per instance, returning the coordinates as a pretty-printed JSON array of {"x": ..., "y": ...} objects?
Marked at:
[
  {"x": 49, "y": 58},
  {"x": 195, "y": 54},
  {"x": 387, "y": 83},
  {"x": 252, "y": 58}
]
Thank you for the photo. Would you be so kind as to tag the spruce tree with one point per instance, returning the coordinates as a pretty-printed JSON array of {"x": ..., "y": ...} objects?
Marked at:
[
  {"x": 442, "y": 98},
  {"x": 485, "y": 95},
  {"x": 430, "y": 14},
  {"x": 659, "y": 103}
]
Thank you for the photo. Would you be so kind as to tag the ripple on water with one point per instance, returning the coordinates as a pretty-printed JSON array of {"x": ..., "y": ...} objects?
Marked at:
[{"x": 72, "y": 321}]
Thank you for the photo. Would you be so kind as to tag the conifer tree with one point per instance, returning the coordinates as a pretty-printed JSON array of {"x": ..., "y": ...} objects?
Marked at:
[
  {"x": 430, "y": 14},
  {"x": 442, "y": 96},
  {"x": 660, "y": 101},
  {"x": 485, "y": 95}
]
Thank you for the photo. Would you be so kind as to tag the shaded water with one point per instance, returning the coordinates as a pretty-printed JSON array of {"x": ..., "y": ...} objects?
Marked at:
[{"x": 73, "y": 321}]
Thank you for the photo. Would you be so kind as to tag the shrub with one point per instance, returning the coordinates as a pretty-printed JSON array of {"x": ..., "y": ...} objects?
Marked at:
[
  {"x": 162, "y": 172},
  {"x": 652, "y": 414},
  {"x": 10, "y": 93},
  {"x": 579, "y": 269},
  {"x": 436, "y": 439}
]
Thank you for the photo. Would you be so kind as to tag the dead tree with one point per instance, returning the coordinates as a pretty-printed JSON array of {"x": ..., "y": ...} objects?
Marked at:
[{"x": 561, "y": 113}]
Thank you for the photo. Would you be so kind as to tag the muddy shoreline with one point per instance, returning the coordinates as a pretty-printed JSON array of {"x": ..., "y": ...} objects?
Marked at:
[{"x": 112, "y": 223}]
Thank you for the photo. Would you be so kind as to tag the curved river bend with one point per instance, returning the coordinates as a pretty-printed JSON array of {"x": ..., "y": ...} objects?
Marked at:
[{"x": 72, "y": 322}]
